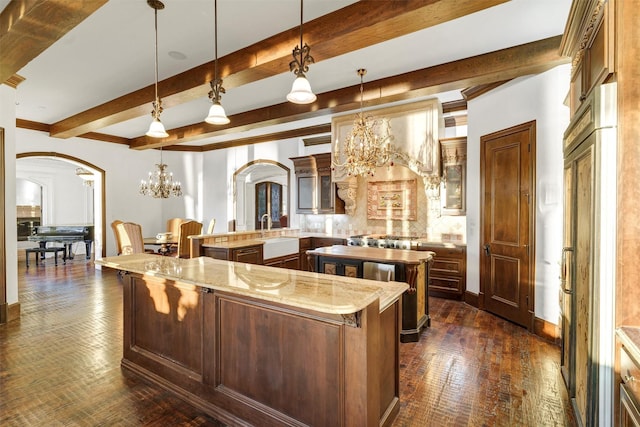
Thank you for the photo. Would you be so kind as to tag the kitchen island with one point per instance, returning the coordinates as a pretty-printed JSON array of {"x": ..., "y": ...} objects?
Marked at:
[
  {"x": 255, "y": 345},
  {"x": 408, "y": 266}
]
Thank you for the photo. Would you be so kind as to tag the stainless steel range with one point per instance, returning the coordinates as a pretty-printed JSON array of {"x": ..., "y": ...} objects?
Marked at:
[{"x": 384, "y": 241}]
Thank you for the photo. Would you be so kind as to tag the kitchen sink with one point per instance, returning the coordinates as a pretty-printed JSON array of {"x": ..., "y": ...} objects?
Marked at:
[{"x": 280, "y": 246}]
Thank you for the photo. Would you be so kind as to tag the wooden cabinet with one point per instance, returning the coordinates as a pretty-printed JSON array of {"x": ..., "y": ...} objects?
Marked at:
[
  {"x": 305, "y": 245},
  {"x": 290, "y": 261},
  {"x": 320, "y": 242},
  {"x": 454, "y": 175},
  {"x": 251, "y": 254},
  {"x": 448, "y": 273},
  {"x": 629, "y": 409},
  {"x": 316, "y": 193},
  {"x": 589, "y": 233},
  {"x": 594, "y": 57}
]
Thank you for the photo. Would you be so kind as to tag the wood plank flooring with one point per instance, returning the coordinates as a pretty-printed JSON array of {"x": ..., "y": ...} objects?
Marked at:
[{"x": 60, "y": 364}]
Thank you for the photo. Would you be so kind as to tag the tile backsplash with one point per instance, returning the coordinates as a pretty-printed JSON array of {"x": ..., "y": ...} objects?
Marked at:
[{"x": 429, "y": 223}]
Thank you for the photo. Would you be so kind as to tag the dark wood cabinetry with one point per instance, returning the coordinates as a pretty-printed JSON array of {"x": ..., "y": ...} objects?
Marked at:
[
  {"x": 448, "y": 273},
  {"x": 291, "y": 261},
  {"x": 251, "y": 254},
  {"x": 305, "y": 244},
  {"x": 317, "y": 194}
]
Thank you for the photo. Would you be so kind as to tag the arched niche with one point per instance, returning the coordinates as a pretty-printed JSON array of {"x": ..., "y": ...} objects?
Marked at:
[{"x": 244, "y": 182}]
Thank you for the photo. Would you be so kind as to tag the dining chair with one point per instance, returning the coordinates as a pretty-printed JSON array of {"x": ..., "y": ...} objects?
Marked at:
[
  {"x": 188, "y": 228},
  {"x": 173, "y": 225},
  {"x": 117, "y": 236},
  {"x": 212, "y": 225},
  {"x": 131, "y": 239}
]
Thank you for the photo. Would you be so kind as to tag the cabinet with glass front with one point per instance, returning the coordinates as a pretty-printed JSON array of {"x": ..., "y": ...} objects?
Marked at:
[{"x": 454, "y": 171}]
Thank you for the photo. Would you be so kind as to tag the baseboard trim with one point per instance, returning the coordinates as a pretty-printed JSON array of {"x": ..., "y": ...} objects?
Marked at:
[
  {"x": 542, "y": 328},
  {"x": 9, "y": 312}
]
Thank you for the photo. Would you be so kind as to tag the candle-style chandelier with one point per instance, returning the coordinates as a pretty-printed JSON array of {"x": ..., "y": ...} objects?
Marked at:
[
  {"x": 367, "y": 146},
  {"x": 160, "y": 184}
]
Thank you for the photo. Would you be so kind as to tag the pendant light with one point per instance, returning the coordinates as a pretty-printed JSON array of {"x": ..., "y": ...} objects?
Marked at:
[
  {"x": 156, "y": 129},
  {"x": 216, "y": 116},
  {"x": 301, "y": 90}
]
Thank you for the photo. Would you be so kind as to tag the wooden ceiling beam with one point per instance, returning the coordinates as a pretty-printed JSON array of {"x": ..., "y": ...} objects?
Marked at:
[
  {"x": 505, "y": 64},
  {"x": 353, "y": 27},
  {"x": 29, "y": 27}
]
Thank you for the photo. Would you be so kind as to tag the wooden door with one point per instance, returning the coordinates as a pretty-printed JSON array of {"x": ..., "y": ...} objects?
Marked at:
[
  {"x": 507, "y": 170},
  {"x": 269, "y": 201}
]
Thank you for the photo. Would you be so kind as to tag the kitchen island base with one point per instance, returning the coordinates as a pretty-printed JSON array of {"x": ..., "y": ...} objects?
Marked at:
[{"x": 247, "y": 361}]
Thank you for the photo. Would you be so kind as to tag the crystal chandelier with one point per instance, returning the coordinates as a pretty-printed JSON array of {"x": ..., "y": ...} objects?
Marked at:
[
  {"x": 301, "y": 92},
  {"x": 160, "y": 184},
  {"x": 367, "y": 146}
]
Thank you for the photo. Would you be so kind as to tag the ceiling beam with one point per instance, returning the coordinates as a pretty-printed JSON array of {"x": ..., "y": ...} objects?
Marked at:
[
  {"x": 29, "y": 27},
  {"x": 353, "y": 27},
  {"x": 505, "y": 64}
]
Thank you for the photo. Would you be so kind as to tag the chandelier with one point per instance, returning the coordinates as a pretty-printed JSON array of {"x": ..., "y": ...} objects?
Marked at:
[
  {"x": 156, "y": 129},
  {"x": 217, "y": 115},
  {"x": 367, "y": 146},
  {"x": 160, "y": 184},
  {"x": 86, "y": 176},
  {"x": 301, "y": 92}
]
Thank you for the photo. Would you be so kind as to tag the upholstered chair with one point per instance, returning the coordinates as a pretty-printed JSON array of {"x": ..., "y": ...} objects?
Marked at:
[
  {"x": 131, "y": 240},
  {"x": 188, "y": 228}
]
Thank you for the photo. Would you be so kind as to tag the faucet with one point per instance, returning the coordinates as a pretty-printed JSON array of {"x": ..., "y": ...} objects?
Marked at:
[{"x": 268, "y": 217}]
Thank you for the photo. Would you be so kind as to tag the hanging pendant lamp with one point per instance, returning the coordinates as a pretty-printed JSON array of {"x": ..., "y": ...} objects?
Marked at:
[
  {"x": 216, "y": 116},
  {"x": 156, "y": 129},
  {"x": 301, "y": 92}
]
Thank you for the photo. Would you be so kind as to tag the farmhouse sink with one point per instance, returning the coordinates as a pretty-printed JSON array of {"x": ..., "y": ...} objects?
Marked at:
[{"x": 279, "y": 246}]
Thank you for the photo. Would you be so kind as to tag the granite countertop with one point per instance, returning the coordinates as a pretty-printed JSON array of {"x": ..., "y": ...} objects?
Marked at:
[
  {"x": 233, "y": 244},
  {"x": 374, "y": 254},
  {"x": 630, "y": 338},
  {"x": 301, "y": 289}
]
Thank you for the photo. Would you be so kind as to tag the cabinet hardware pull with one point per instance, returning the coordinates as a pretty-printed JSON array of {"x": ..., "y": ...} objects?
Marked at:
[{"x": 628, "y": 378}]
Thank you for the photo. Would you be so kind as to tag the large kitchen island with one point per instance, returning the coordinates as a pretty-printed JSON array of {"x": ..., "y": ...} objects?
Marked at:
[{"x": 263, "y": 346}]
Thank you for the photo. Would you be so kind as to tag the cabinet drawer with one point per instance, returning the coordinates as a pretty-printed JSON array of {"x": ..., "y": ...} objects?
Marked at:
[
  {"x": 444, "y": 265},
  {"x": 630, "y": 373},
  {"x": 445, "y": 283},
  {"x": 305, "y": 243}
]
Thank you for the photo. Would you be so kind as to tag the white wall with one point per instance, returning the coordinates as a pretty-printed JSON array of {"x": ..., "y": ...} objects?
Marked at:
[
  {"x": 8, "y": 122},
  {"x": 220, "y": 165},
  {"x": 538, "y": 98},
  {"x": 124, "y": 168}
]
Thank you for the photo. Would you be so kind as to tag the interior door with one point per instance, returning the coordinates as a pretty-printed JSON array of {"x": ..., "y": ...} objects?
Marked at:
[
  {"x": 269, "y": 201},
  {"x": 507, "y": 223}
]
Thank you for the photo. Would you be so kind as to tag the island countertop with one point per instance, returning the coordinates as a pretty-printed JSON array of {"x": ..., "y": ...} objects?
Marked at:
[
  {"x": 301, "y": 289},
  {"x": 374, "y": 254}
]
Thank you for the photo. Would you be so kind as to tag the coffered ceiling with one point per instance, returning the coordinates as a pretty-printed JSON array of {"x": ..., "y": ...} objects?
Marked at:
[{"x": 89, "y": 66}]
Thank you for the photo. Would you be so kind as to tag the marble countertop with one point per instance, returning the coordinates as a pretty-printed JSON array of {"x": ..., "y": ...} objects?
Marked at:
[
  {"x": 630, "y": 338},
  {"x": 319, "y": 292},
  {"x": 233, "y": 244},
  {"x": 374, "y": 254}
]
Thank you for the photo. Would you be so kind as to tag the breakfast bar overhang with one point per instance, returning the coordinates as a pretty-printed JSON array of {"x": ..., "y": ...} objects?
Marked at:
[{"x": 255, "y": 345}]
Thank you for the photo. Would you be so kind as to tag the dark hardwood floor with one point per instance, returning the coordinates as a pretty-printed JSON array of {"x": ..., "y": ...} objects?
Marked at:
[{"x": 60, "y": 364}]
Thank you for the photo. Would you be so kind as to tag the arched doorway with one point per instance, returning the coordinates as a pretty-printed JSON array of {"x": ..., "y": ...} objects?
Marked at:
[
  {"x": 93, "y": 198},
  {"x": 248, "y": 183}
]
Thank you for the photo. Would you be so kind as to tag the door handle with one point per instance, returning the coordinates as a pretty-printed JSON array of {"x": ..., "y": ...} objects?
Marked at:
[
  {"x": 487, "y": 249},
  {"x": 564, "y": 269}
]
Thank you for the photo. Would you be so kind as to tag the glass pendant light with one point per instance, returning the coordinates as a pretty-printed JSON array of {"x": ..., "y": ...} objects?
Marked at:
[
  {"x": 156, "y": 129},
  {"x": 301, "y": 92},
  {"x": 216, "y": 116}
]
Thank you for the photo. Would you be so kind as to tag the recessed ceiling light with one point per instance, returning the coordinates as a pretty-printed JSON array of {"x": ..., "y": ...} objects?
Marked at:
[{"x": 177, "y": 55}]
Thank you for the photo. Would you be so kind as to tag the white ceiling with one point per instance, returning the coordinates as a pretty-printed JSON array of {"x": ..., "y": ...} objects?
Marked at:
[{"x": 111, "y": 53}]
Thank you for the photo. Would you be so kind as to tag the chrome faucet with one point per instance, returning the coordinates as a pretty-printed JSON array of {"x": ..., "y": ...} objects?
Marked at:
[{"x": 268, "y": 217}]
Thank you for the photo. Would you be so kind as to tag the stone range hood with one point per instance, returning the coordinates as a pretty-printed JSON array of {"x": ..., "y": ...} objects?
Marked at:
[{"x": 416, "y": 129}]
